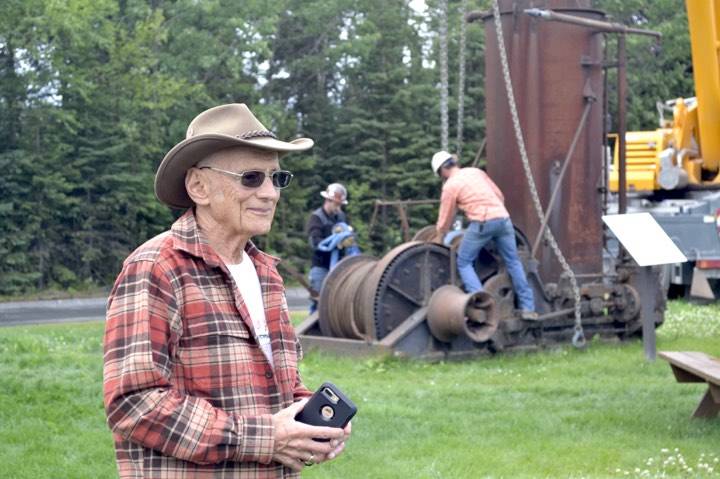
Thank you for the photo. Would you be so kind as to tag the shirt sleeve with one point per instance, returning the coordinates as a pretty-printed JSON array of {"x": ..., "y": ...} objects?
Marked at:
[
  {"x": 315, "y": 235},
  {"x": 141, "y": 403},
  {"x": 300, "y": 391},
  {"x": 447, "y": 209}
]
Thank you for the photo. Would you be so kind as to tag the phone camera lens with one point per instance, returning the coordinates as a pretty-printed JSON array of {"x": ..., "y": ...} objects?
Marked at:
[{"x": 327, "y": 412}]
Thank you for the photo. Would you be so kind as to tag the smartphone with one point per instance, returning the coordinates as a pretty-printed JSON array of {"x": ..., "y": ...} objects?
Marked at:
[{"x": 329, "y": 407}]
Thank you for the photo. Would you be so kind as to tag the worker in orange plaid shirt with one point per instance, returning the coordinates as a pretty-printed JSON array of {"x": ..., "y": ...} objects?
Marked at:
[{"x": 472, "y": 191}]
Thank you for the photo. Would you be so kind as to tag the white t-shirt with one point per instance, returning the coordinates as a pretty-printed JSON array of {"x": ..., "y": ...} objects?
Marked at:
[{"x": 247, "y": 280}]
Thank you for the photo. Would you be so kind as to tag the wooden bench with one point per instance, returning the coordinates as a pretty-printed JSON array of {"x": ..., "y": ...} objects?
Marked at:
[{"x": 695, "y": 367}]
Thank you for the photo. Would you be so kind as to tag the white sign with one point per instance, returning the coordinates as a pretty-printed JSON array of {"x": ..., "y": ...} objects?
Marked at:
[{"x": 644, "y": 239}]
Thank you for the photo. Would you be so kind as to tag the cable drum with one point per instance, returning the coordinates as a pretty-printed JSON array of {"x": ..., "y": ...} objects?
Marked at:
[
  {"x": 426, "y": 233},
  {"x": 453, "y": 312},
  {"x": 366, "y": 298},
  {"x": 337, "y": 298}
]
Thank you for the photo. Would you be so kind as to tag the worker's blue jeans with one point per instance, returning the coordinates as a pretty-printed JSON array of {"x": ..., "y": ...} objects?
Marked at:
[
  {"x": 317, "y": 277},
  {"x": 501, "y": 231}
]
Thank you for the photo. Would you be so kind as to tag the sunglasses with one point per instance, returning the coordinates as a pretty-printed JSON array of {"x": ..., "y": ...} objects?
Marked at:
[{"x": 255, "y": 178}]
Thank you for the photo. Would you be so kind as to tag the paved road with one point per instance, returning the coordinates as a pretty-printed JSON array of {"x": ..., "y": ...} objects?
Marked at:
[{"x": 91, "y": 309}]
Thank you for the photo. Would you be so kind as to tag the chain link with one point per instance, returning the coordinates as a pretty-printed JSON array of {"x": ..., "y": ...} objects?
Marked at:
[
  {"x": 578, "y": 336},
  {"x": 443, "y": 74},
  {"x": 461, "y": 80}
]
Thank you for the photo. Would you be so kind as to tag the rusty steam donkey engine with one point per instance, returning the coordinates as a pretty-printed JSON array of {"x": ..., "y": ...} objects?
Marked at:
[{"x": 409, "y": 303}]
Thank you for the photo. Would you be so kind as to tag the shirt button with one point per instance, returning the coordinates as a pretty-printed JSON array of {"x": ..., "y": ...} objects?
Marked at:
[{"x": 268, "y": 374}]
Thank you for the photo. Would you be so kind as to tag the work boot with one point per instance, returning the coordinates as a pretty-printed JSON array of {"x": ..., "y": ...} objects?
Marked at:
[{"x": 528, "y": 315}]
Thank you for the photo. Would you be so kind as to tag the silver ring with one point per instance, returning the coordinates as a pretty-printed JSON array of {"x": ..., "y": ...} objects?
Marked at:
[{"x": 310, "y": 462}]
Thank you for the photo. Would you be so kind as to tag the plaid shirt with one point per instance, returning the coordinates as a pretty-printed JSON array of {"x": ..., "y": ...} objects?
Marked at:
[
  {"x": 187, "y": 390},
  {"x": 471, "y": 190}
]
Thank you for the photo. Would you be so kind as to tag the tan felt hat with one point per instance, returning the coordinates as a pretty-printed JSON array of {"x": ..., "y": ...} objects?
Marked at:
[{"x": 212, "y": 130}]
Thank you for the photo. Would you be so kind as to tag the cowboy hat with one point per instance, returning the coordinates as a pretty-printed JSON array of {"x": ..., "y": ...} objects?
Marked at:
[{"x": 212, "y": 130}]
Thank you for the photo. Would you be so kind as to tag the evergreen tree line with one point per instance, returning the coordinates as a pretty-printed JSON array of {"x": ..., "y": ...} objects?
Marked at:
[{"x": 93, "y": 93}]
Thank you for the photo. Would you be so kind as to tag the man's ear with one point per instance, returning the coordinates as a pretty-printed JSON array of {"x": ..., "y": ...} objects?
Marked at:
[{"x": 196, "y": 185}]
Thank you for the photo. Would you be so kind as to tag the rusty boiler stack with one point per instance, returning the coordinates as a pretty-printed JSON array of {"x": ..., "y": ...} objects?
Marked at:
[{"x": 409, "y": 302}]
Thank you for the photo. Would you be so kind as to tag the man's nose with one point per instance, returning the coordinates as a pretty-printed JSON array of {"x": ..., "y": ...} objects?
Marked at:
[{"x": 267, "y": 189}]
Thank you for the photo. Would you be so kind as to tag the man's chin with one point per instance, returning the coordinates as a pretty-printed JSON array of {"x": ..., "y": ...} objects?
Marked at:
[{"x": 261, "y": 230}]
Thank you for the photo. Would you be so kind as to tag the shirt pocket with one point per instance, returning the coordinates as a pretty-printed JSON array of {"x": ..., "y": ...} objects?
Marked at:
[{"x": 215, "y": 360}]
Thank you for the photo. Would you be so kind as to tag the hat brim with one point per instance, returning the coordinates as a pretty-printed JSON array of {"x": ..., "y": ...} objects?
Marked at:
[
  {"x": 328, "y": 197},
  {"x": 170, "y": 176}
]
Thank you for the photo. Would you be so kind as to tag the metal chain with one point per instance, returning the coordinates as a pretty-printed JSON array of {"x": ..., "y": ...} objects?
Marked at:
[
  {"x": 579, "y": 336},
  {"x": 461, "y": 80},
  {"x": 444, "y": 75}
]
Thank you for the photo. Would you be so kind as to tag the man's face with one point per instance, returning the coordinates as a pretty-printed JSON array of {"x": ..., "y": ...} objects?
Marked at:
[
  {"x": 332, "y": 207},
  {"x": 237, "y": 209}
]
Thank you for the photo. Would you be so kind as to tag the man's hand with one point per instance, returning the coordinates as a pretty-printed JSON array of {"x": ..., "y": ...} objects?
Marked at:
[{"x": 294, "y": 444}]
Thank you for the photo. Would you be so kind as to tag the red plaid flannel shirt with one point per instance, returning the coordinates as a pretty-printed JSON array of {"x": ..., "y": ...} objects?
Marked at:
[{"x": 187, "y": 390}]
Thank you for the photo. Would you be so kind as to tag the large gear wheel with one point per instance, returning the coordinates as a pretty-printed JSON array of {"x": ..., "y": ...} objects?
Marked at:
[{"x": 400, "y": 283}]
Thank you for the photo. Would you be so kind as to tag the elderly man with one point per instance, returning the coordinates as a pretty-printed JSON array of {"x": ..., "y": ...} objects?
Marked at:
[
  {"x": 472, "y": 190},
  {"x": 201, "y": 361}
]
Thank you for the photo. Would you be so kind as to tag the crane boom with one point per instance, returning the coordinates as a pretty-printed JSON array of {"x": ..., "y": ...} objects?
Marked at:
[{"x": 704, "y": 23}]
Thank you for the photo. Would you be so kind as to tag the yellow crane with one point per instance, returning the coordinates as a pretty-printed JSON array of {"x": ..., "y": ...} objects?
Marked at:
[
  {"x": 686, "y": 150},
  {"x": 674, "y": 171}
]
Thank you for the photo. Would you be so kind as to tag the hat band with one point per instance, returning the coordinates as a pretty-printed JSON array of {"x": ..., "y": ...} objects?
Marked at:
[{"x": 256, "y": 134}]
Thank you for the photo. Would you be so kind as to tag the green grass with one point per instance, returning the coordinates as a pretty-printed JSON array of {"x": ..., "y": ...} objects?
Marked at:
[
  {"x": 603, "y": 412},
  {"x": 51, "y": 410}
]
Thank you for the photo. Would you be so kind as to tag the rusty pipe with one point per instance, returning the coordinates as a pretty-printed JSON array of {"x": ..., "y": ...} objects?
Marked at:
[
  {"x": 622, "y": 128},
  {"x": 609, "y": 27},
  {"x": 553, "y": 196},
  {"x": 452, "y": 312},
  {"x": 474, "y": 16}
]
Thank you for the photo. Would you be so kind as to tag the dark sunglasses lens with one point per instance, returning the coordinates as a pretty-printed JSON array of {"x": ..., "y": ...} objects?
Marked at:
[
  {"x": 253, "y": 179},
  {"x": 281, "y": 179}
]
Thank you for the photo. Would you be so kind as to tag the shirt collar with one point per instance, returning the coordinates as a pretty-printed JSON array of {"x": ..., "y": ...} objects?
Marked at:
[{"x": 189, "y": 238}]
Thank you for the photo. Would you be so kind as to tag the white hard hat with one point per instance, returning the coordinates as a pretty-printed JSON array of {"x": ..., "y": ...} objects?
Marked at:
[
  {"x": 438, "y": 160},
  {"x": 335, "y": 192}
]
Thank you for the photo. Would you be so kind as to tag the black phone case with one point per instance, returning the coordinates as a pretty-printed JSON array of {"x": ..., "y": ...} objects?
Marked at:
[{"x": 343, "y": 410}]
